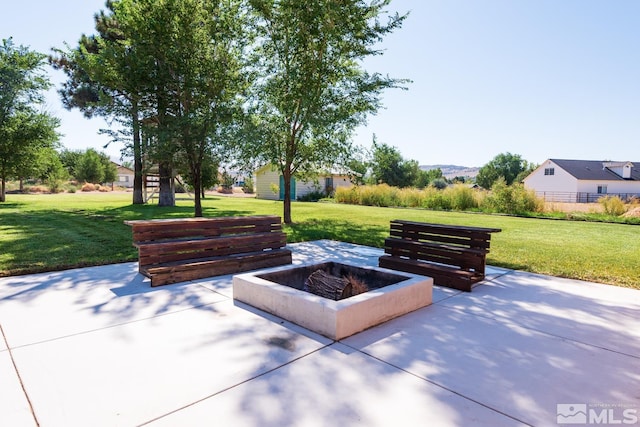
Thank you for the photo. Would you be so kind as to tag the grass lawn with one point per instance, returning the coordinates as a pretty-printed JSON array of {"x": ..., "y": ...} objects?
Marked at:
[{"x": 51, "y": 232}]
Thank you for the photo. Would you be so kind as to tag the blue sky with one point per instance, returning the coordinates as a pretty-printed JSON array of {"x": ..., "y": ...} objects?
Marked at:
[{"x": 539, "y": 78}]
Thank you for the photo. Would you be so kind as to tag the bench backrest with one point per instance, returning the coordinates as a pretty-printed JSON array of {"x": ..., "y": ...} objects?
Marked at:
[
  {"x": 168, "y": 240},
  {"x": 460, "y": 246}
]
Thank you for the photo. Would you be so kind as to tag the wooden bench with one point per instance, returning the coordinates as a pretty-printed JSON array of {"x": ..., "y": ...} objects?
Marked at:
[
  {"x": 453, "y": 255},
  {"x": 181, "y": 249}
]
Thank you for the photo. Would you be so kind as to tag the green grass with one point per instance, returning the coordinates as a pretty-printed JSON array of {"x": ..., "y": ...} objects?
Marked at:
[{"x": 51, "y": 232}]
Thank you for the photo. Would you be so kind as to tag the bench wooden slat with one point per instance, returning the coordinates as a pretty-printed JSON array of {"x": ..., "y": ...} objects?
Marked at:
[
  {"x": 167, "y": 229},
  {"x": 442, "y": 275},
  {"x": 446, "y": 227},
  {"x": 216, "y": 266},
  {"x": 453, "y": 255},
  {"x": 179, "y": 249},
  {"x": 465, "y": 259},
  {"x": 465, "y": 237},
  {"x": 158, "y": 253}
]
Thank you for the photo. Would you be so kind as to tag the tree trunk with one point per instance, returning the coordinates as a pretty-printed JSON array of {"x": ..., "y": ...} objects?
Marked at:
[
  {"x": 286, "y": 181},
  {"x": 197, "y": 190},
  {"x": 138, "y": 198},
  {"x": 3, "y": 197},
  {"x": 167, "y": 196}
]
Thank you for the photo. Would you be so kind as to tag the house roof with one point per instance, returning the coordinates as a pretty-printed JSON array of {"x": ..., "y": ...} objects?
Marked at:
[{"x": 595, "y": 170}]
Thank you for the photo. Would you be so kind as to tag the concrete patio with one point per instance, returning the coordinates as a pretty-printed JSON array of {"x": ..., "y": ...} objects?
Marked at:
[{"x": 97, "y": 346}]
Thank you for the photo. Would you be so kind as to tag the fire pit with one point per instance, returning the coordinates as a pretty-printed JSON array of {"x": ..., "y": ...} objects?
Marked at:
[{"x": 282, "y": 292}]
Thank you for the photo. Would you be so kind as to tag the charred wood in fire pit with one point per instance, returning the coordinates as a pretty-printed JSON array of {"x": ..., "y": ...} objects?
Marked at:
[
  {"x": 328, "y": 286},
  {"x": 333, "y": 287}
]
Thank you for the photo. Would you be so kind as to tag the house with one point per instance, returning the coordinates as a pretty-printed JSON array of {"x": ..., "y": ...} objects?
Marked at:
[
  {"x": 584, "y": 181},
  {"x": 124, "y": 177},
  {"x": 269, "y": 184}
]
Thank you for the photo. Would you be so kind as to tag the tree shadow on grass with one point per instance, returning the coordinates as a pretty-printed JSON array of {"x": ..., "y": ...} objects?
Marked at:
[
  {"x": 344, "y": 231},
  {"x": 58, "y": 239}
]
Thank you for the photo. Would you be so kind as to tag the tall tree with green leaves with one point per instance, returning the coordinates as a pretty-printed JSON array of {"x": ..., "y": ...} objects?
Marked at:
[
  {"x": 172, "y": 68},
  {"x": 312, "y": 89},
  {"x": 24, "y": 129},
  {"x": 103, "y": 79},
  {"x": 389, "y": 167},
  {"x": 193, "y": 51},
  {"x": 506, "y": 165}
]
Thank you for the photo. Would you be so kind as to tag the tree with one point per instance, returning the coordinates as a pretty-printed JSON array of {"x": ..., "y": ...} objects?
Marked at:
[
  {"x": 103, "y": 78},
  {"x": 312, "y": 90},
  {"x": 174, "y": 69},
  {"x": 389, "y": 167},
  {"x": 505, "y": 165},
  {"x": 51, "y": 169},
  {"x": 70, "y": 159},
  {"x": 95, "y": 167},
  {"x": 24, "y": 131},
  {"x": 90, "y": 167},
  {"x": 426, "y": 177}
]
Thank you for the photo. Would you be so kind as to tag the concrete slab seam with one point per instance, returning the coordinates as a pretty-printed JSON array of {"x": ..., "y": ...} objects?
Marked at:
[
  {"x": 439, "y": 385},
  {"x": 15, "y": 368},
  {"x": 195, "y": 402},
  {"x": 116, "y": 325}
]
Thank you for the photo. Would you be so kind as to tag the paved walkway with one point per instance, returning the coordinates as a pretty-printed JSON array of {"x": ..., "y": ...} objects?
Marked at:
[{"x": 98, "y": 347}]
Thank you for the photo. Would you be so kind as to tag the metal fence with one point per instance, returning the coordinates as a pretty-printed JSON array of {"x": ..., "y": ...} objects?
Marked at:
[{"x": 567, "y": 197}]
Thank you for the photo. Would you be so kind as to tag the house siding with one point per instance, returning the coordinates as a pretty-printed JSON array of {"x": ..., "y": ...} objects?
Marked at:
[
  {"x": 125, "y": 177},
  {"x": 265, "y": 176},
  {"x": 564, "y": 186}
]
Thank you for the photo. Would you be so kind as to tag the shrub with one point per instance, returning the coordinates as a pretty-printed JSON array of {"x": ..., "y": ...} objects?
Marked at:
[
  {"x": 379, "y": 195},
  {"x": 104, "y": 189},
  {"x": 462, "y": 197},
  {"x": 436, "y": 199},
  {"x": 56, "y": 186},
  {"x": 38, "y": 189},
  {"x": 347, "y": 195},
  {"x": 612, "y": 205},
  {"x": 512, "y": 199},
  {"x": 439, "y": 183},
  {"x": 411, "y": 197},
  {"x": 88, "y": 187},
  {"x": 312, "y": 196},
  {"x": 247, "y": 186}
]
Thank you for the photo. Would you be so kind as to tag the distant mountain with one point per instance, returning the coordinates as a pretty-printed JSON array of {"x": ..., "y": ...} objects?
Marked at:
[{"x": 451, "y": 171}]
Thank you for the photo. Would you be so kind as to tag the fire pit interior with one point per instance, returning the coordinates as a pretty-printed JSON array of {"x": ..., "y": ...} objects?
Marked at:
[
  {"x": 335, "y": 310},
  {"x": 333, "y": 280}
]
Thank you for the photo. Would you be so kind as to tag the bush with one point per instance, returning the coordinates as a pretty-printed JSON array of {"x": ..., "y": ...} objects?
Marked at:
[
  {"x": 612, "y": 205},
  {"x": 88, "y": 187},
  {"x": 38, "y": 189},
  {"x": 247, "y": 186},
  {"x": 439, "y": 183},
  {"x": 462, "y": 197},
  {"x": 379, "y": 195},
  {"x": 312, "y": 196},
  {"x": 436, "y": 199},
  {"x": 512, "y": 199},
  {"x": 411, "y": 197},
  {"x": 56, "y": 186}
]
